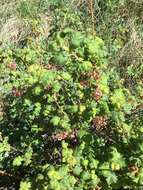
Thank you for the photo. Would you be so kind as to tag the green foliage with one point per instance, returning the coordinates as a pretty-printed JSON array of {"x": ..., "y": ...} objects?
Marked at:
[{"x": 69, "y": 122}]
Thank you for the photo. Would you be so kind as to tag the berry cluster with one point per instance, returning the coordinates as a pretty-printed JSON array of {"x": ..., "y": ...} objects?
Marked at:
[
  {"x": 99, "y": 123},
  {"x": 97, "y": 94},
  {"x": 12, "y": 66},
  {"x": 95, "y": 75},
  {"x": 16, "y": 92},
  {"x": 65, "y": 135}
]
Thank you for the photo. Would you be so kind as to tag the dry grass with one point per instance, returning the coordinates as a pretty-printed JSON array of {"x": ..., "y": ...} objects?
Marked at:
[
  {"x": 13, "y": 28},
  {"x": 131, "y": 56},
  {"x": 9, "y": 24},
  {"x": 8, "y": 9},
  {"x": 10, "y": 30}
]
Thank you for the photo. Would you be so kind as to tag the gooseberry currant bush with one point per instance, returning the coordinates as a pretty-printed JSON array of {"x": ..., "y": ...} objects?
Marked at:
[{"x": 67, "y": 117}]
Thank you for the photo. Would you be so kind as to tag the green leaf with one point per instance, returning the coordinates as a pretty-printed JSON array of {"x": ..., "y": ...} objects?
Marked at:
[
  {"x": 61, "y": 58},
  {"x": 66, "y": 76},
  {"x": 63, "y": 171},
  {"x": 74, "y": 108},
  {"x": 55, "y": 120},
  {"x": 86, "y": 175},
  {"x": 54, "y": 175},
  {"x": 118, "y": 117},
  {"x": 4, "y": 145},
  {"x": 111, "y": 178},
  {"x": 105, "y": 166},
  {"x": 37, "y": 90},
  {"x": 85, "y": 66},
  {"x": 77, "y": 170},
  {"x": 96, "y": 47},
  {"x": 77, "y": 39},
  {"x": 141, "y": 176},
  {"x": 56, "y": 86},
  {"x": 17, "y": 161},
  {"x": 94, "y": 163},
  {"x": 25, "y": 185},
  {"x": 28, "y": 156},
  {"x": 95, "y": 179},
  {"x": 103, "y": 84},
  {"x": 118, "y": 98},
  {"x": 117, "y": 157},
  {"x": 47, "y": 77},
  {"x": 39, "y": 177}
]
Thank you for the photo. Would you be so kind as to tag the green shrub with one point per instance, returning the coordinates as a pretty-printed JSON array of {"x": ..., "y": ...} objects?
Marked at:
[{"x": 67, "y": 121}]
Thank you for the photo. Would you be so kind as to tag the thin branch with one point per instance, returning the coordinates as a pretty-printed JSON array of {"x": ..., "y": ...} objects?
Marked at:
[{"x": 4, "y": 173}]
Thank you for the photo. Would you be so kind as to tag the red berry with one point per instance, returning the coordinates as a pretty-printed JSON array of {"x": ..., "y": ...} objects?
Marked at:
[
  {"x": 99, "y": 123},
  {"x": 95, "y": 75},
  {"x": 97, "y": 95},
  {"x": 12, "y": 66},
  {"x": 48, "y": 88},
  {"x": 133, "y": 169},
  {"x": 16, "y": 93},
  {"x": 84, "y": 83}
]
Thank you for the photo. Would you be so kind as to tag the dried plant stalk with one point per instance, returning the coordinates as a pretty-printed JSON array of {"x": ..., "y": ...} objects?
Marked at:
[{"x": 91, "y": 13}]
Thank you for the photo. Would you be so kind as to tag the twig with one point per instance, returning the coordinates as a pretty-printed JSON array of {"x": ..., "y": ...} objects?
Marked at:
[
  {"x": 4, "y": 173},
  {"x": 91, "y": 12}
]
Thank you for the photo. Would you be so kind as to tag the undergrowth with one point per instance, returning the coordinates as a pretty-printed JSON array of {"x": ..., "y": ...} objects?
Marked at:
[{"x": 71, "y": 96}]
